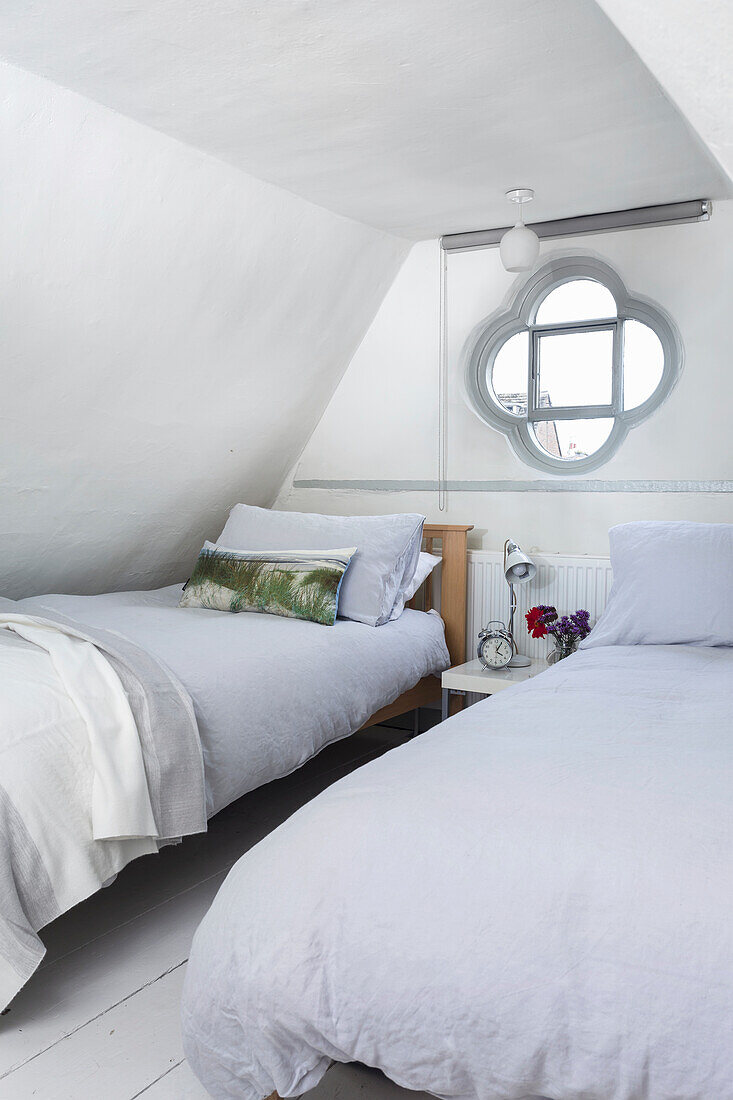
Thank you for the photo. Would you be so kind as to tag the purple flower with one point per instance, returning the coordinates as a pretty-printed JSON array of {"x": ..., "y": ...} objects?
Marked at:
[{"x": 569, "y": 628}]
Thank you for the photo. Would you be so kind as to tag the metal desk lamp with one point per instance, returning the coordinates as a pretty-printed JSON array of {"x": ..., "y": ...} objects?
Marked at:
[{"x": 518, "y": 569}]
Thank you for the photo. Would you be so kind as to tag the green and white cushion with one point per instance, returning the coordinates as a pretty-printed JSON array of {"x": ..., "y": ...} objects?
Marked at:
[{"x": 300, "y": 584}]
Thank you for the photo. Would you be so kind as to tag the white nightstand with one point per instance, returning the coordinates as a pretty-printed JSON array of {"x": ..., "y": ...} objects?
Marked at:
[{"x": 473, "y": 679}]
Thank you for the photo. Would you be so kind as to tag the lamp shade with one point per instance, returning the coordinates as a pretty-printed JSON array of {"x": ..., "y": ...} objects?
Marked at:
[
  {"x": 518, "y": 568},
  {"x": 519, "y": 248}
]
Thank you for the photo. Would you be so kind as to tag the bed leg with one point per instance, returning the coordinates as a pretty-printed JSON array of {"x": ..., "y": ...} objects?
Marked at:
[{"x": 272, "y": 1096}]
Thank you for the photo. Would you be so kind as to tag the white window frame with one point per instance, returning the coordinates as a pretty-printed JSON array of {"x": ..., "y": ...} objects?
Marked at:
[{"x": 519, "y": 315}]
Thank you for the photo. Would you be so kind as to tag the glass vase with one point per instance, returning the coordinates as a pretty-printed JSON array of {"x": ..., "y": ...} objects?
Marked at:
[{"x": 561, "y": 648}]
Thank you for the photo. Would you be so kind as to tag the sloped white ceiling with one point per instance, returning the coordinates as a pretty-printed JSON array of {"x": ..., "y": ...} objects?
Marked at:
[
  {"x": 410, "y": 115},
  {"x": 689, "y": 48},
  {"x": 170, "y": 331}
]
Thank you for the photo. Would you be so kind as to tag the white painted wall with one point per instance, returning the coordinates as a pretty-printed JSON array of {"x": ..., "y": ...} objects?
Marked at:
[
  {"x": 170, "y": 331},
  {"x": 382, "y": 420}
]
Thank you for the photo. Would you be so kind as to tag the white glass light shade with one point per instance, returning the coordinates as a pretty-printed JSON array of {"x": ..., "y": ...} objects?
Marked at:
[{"x": 519, "y": 248}]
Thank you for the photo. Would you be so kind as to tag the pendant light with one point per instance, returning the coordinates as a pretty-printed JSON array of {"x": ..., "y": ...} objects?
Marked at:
[{"x": 520, "y": 246}]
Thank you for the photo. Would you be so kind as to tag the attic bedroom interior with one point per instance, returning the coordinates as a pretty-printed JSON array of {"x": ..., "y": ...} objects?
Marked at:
[{"x": 366, "y": 550}]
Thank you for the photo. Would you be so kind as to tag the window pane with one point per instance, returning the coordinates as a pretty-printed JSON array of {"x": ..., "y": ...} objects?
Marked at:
[
  {"x": 643, "y": 363},
  {"x": 579, "y": 300},
  {"x": 572, "y": 439},
  {"x": 510, "y": 373},
  {"x": 575, "y": 368}
]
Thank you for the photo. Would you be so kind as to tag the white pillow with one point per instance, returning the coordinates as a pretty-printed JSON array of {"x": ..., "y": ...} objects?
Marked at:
[
  {"x": 406, "y": 569},
  {"x": 388, "y": 548},
  {"x": 672, "y": 585},
  {"x": 426, "y": 563}
]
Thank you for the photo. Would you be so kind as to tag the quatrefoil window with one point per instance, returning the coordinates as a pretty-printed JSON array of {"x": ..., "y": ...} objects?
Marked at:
[{"x": 571, "y": 365}]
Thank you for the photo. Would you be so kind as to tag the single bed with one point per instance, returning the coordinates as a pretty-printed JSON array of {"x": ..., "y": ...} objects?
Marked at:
[
  {"x": 532, "y": 900},
  {"x": 222, "y": 703},
  {"x": 268, "y": 692}
]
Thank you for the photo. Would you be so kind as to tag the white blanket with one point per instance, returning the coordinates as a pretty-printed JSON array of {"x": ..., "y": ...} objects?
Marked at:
[
  {"x": 535, "y": 899},
  {"x": 100, "y": 761},
  {"x": 120, "y": 800}
]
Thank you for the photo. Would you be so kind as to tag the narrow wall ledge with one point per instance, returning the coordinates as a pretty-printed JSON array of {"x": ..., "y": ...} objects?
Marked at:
[{"x": 539, "y": 485}]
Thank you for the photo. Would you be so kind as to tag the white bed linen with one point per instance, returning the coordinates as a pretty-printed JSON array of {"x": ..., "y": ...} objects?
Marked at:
[
  {"x": 100, "y": 761},
  {"x": 120, "y": 800},
  {"x": 534, "y": 899},
  {"x": 268, "y": 692},
  {"x": 47, "y": 778}
]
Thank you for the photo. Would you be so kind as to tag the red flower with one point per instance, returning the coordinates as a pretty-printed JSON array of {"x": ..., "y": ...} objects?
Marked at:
[{"x": 535, "y": 624}]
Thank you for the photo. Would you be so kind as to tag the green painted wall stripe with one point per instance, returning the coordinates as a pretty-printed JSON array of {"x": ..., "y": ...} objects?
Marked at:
[{"x": 556, "y": 485}]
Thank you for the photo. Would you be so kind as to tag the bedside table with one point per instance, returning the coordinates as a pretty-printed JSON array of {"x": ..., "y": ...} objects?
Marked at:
[{"x": 473, "y": 679}]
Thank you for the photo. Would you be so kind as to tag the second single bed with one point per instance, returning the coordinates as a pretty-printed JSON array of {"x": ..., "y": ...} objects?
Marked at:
[{"x": 531, "y": 901}]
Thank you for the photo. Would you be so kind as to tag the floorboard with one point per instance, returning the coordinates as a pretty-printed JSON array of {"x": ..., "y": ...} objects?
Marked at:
[
  {"x": 114, "y": 1056},
  {"x": 83, "y": 985},
  {"x": 99, "y": 1019},
  {"x": 177, "y": 1083}
]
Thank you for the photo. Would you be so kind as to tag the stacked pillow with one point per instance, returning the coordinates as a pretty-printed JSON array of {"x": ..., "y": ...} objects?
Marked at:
[
  {"x": 426, "y": 563},
  {"x": 379, "y": 572}
]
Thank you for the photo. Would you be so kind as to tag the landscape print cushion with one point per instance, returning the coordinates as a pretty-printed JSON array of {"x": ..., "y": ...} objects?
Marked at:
[{"x": 299, "y": 584}]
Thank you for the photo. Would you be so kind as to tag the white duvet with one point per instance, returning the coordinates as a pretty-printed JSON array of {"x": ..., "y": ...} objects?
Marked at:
[
  {"x": 535, "y": 899},
  {"x": 268, "y": 692}
]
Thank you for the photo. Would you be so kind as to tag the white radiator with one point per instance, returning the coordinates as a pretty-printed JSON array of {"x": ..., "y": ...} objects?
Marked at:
[{"x": 564, "y": 581}]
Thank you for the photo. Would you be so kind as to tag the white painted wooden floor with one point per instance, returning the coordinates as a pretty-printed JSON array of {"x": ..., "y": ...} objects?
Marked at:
[{"x": 99, "y": 1019}]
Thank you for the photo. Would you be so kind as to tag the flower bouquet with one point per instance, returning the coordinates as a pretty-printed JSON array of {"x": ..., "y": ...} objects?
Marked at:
[{"x": 544, "y": 621}]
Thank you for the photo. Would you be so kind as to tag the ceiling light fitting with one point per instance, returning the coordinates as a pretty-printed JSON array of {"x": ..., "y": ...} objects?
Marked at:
[{"x": 520, "y": 246}]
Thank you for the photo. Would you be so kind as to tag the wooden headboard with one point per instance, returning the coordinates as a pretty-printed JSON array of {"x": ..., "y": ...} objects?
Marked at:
[
  {"x": 453, "y": 539},
  {"x": 453, "y": 573}
]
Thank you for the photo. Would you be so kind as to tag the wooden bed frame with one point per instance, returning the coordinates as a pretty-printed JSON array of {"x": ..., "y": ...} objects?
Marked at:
[{"x": 453, "y": 571}]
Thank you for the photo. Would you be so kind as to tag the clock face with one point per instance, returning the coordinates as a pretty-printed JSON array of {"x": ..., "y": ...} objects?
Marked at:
[{"x": 496, "y": 652}]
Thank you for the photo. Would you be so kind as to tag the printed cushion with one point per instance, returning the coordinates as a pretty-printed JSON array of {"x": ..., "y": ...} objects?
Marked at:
[{"x": 300, "y": 584}]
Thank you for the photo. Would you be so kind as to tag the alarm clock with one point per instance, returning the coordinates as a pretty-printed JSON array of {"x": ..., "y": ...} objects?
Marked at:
[{"x": 495, "y": 646}]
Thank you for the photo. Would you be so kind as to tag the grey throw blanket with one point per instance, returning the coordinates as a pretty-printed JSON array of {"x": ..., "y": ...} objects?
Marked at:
[{"x": 36, "y": 888}]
